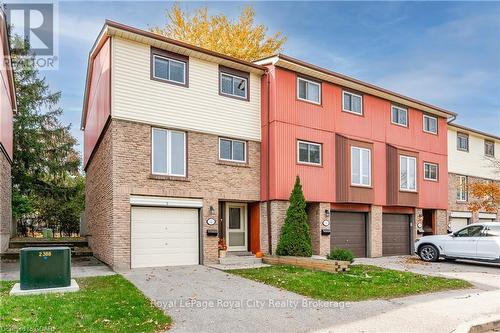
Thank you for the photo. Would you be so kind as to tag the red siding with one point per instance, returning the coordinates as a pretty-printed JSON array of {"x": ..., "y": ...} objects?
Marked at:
[
  {"x": 99, "y": 99},
  {"x": 292, "y": 119},
  {"x": 6, "y": 98}
]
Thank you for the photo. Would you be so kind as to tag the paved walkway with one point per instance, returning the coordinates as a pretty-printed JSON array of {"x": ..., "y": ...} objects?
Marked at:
[
  {"x": 202, "y": 299},
  {"x": 80, "y": 267}
]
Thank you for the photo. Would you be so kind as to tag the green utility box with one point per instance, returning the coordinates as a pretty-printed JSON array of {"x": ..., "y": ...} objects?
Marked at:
[{"x": 45, "y": 267}]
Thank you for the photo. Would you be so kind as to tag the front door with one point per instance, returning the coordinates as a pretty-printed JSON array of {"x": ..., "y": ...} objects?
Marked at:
[{"x": 236, "y": 226}]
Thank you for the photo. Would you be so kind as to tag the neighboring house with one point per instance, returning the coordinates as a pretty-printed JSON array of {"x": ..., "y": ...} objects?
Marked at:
[
  {"x": 471, "y": 156},
  {"x": 7, "y": 109},
  {"x": 171, "y": 150},
  {"x": 373, "y": 163}
]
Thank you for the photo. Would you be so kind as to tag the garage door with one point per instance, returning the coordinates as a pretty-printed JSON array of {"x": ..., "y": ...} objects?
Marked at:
[
  {"x": 164, "y": 237},
  {"x": 486, "y": 220},
  {"x": 395, "y": 234},
  {"x": 349, "y": 232},
  {"x": 457, "y": 223}
]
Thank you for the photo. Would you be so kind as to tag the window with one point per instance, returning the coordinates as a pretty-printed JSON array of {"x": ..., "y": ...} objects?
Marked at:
[
  {"x": 399, "y": 116},
  {"x": 233, "y": 85},
  {"x": 430, "y": 171},
  {"x": 352, "y": 102},
  {"x": 492, "y": 231},
  {"x": 407, "y": 173},
  {"x": 489, "y": 148},
  {"x": 168, "y": 152},
  {"x": 308, "y": 152},
  {"x": 232, "y": 150},
  {"x": 308, "y": 90},
  {"x": 430, "y": 124},
  {"x": 360, "y": 166},
  {"x": 472, "y": 231},
  {"x": 462, "y": 142},
  {"x": 167, "y": 69},
  {"x": 461, "y": 188}
]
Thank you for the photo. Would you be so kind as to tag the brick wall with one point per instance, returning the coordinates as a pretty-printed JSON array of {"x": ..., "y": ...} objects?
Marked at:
[
  {"x": 264, "y": 235},
  {"x": 374, "y": 232},
  {"x": 315, "y": 217},
  {"x": 6, "y": 228},
  {"x": 453, "y": 205},
  {"x": 207, "y": 178},
  {"x": 278, "y": 213},
  {"x": 99, "y": 200}
]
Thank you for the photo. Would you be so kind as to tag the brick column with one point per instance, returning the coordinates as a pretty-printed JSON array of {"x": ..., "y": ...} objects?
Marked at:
[
  {"x": 418, "y": 219},
  {"x": 441, "y": 222},
  {"x": 264, "y": 235},
  {"x": 375, "y": 232},
  {"x": 210, "y": 243},
  {"x": 278, "y": 213},
  {"x": 315, "y": 216}
]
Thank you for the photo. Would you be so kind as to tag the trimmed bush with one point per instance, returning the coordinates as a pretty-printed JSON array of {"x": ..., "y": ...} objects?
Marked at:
[
  {"x": 341, "y": 254},
  {"x": 295, "y": 237}
]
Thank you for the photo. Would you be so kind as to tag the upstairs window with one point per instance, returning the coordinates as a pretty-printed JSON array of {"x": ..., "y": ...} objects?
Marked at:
[
  {"x": 233, "y": 83},
  {"x": 232, "y": 150},
  {"x": 462, "y": 142},
  {"x": 360, "y": 166},
  {"x": 309, "y": 152},
  {"x": 168, "y": 152},
  {"x": 169, "y": 69},
  {"x": 407, "y": 173},
  {"x": 430, "y": 124},
  {"x": 489, "y": 148},
  {"x": 308, "y": 90},
  {"x": 352, "y": 103},
  {"x": 399, "y": 116},
  {"x": 462, "y": 188},
  {"x": 430, "y": 171}
]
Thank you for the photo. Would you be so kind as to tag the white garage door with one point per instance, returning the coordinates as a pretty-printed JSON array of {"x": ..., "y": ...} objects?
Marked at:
[
  {"x": 458, "y": 223},
  {"x": 164, "y": 237},
  {"x": 486, "y": 220}
]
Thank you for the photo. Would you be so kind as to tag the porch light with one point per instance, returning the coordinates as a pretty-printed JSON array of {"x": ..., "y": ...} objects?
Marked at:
[
  {"x": 211, "y": 210},
  {"x": 327, "y": 212}
]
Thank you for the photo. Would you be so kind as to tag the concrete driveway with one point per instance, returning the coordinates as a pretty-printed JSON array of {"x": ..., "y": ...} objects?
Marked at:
[{"x": 203, "y": 299}]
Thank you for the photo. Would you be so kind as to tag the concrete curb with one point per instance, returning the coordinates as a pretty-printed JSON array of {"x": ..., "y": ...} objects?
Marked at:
[{"x": 480, "y": 325}]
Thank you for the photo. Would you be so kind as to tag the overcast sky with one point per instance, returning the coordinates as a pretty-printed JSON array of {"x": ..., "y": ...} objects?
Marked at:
[{"x": 444, "y": 53}]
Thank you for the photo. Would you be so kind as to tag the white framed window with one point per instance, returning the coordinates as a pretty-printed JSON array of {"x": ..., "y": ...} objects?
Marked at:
[
  {"x": 462, "y": 142},
  {"x": 168, "y": 152},
  {"x": 233, "y": 85},
  {"x": 232, "y": 150},
  {"x": 407, "y": 173},
  {"x": 489, "y": 148},
  {"x": 431, "y": 171},
  {"x": 361, "y": 166},
  {"x": 462, "y": 188},
  {"x": 399, "y": 116},
  {"x": 352, "y": 102},
  {"x": 168, "y": 69},
  {"x": 308, "y": 152},
  {"x": 430, "y": 124},
  {"x": 308, "y": 90}
]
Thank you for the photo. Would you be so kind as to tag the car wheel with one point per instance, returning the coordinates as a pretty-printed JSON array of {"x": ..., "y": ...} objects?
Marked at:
[{"x": 428, "y": 252}]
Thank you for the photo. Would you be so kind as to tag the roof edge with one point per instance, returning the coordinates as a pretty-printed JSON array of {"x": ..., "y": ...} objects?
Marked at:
[{"x": 464, "y": 128}]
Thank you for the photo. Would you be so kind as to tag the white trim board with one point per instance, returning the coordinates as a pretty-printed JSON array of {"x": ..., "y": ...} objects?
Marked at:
[
  {"x": 487, "y": 215},
  {"x": 461, "y": 214},
  {"x": 136, "y": 200}
]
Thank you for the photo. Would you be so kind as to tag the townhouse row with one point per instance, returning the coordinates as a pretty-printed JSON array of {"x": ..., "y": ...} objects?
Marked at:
[{"x": 186, "y": 148}]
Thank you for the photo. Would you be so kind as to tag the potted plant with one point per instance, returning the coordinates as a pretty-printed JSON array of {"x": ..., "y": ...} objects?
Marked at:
[{"x": 222, "y": 248}]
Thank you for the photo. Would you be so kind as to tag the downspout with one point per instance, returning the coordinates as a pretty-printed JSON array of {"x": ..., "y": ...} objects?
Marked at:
[
  {"x": 269, "y": 236},
  {"x": 452, "y": 119}
]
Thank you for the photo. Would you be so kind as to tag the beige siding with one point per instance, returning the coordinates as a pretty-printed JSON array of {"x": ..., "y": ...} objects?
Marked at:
[
  {"x": 471, "y": 163},
  {"x": 198, "y": 108}
]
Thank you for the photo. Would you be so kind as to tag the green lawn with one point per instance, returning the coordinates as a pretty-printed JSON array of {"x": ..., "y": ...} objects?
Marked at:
[
  {"x": 362, "y": 282},
  {"x": 103, "y": 304}
]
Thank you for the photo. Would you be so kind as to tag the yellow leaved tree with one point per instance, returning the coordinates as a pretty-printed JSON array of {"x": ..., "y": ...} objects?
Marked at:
[
  {"x": 485, "y": 195},
  {"x": 240, "y": 38}
]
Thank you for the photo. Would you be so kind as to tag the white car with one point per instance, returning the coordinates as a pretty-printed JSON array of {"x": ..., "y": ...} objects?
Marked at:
[{"x": 478, "y": 241}]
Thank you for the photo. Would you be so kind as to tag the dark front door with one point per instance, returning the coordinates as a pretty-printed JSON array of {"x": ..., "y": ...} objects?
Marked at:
[
  {"x": 395, "y": 234},
  {"x": 349, "y": 232}
]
